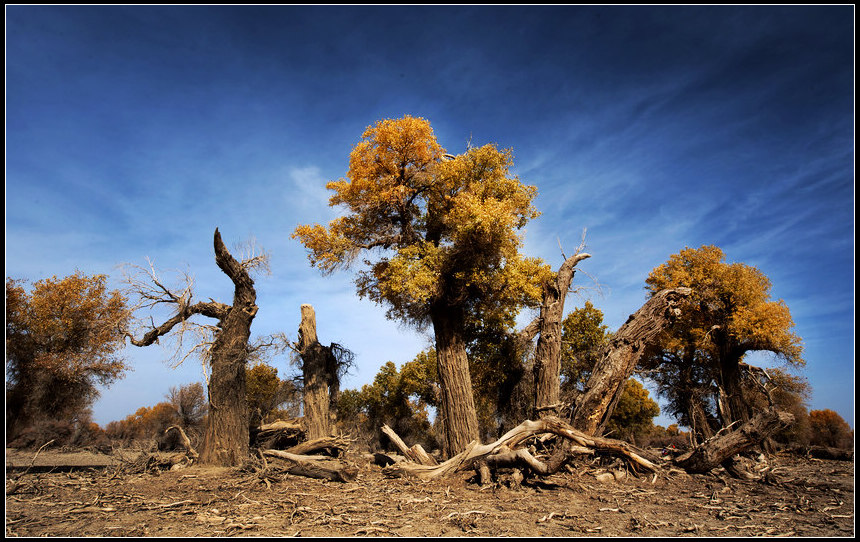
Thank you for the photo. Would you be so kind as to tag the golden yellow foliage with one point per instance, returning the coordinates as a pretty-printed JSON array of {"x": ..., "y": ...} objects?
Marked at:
[
  {"x": 445, "y": 226},
  {"x": 62, "y": 339},
  {"x": 733, "y": 296}
]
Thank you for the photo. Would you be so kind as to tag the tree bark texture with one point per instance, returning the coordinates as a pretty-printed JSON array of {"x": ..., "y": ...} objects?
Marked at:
[
  {"x": 714, "y": 452},
  {"x": 226, "y": 439},
  {"x": 457, "y": 408},
  {"x": 735, "y": 407},
  {"x": 619, "y": 358},
  {"x": 547, "y": 366},
  {"x": 315, "y": 365}
]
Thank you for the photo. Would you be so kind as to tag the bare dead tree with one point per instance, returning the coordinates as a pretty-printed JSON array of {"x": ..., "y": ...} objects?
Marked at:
[
  {"x": 225, "y": 346},
  {"x": 547, "y": 325}
]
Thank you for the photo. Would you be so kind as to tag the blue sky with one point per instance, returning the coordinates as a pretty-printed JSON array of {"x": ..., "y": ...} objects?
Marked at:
[{"x": 134, "y": 131}]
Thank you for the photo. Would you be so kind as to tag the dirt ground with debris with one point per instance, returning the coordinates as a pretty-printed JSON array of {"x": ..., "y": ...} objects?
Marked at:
[{"x": 795, "y": 496}]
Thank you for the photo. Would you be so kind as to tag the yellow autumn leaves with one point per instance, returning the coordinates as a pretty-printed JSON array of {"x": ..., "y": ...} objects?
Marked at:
[
  {"x": 733, "y": 295},
  {"x": 447, "y": 225}
]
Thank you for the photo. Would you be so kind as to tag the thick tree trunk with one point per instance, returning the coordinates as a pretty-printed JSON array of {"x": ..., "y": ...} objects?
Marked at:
[
  {"x": 459, "y": 418},
  {"x": 315, "y": 363},
  {"x": 547, "y": 366},
  {"x": 226, "y": 439},
  {"x": 734, "y": 408},
  {"x": 594, "y": 407}
]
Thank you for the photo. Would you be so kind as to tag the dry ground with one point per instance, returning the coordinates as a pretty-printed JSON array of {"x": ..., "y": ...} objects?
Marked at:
[{"x": 797, "y": 497}]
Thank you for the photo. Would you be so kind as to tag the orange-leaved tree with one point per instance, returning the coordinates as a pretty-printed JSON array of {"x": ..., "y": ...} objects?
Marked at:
[
  {"x": 698, "y": 365},
  {"x": 63, "y": 341},
  {"x": 828, "y": 428},
  {"x": 445, "y": 233}
]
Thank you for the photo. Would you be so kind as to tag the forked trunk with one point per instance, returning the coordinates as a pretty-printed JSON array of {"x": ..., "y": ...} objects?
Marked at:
[{"x": 227, "y": 435}]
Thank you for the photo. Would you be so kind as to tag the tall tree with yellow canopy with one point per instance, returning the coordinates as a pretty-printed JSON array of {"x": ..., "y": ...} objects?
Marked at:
[
  {"x": 444, "y": 232},
  {"x": 730, "y": 313}
]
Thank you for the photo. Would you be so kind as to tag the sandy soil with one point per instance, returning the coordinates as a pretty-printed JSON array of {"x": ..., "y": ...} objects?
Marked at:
[{"x": 796, "y": 497}]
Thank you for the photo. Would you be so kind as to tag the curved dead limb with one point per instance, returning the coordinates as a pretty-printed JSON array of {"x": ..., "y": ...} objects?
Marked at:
[
  {"x": 505, "y": 449},
  {"x": 416, "y": 453},
  {"x": 186, "y": 442}
]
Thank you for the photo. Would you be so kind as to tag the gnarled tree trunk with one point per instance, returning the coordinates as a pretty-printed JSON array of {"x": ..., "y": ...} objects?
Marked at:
[
  {"x": 225, "y": 441},
  {"x": 594, "y": 407}
]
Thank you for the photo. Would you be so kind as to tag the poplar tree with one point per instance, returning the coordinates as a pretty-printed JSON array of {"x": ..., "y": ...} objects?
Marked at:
[{"x": 439, "y": 239}]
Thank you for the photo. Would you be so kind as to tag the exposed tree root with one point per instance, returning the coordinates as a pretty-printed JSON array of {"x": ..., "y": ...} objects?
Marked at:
[{"x": 510, "y": 451}]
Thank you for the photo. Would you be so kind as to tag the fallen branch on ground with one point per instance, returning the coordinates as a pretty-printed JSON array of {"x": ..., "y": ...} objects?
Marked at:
[
  {"x": 505, "y": 451},
  {"x": 314, "y": 466}
]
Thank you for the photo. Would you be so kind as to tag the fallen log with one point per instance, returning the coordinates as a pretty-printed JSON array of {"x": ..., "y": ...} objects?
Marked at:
[
  {"x": 280, "y": 434},
  {"x": 313, "y": 466},
  {"x": 826, "y": 452},
  {"x": 333, "y": 446},
  {"x": 717, "y": 450}
]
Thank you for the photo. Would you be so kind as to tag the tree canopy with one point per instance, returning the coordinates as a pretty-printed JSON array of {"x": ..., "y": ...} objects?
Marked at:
[
  {"x": 445, "y": 230},
  {"x": 63, "y": 341},
  {"x": 730, "y": 312}
]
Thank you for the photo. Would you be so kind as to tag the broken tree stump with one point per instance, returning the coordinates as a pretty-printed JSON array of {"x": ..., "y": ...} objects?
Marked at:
[{"x": 315, "y": 362}]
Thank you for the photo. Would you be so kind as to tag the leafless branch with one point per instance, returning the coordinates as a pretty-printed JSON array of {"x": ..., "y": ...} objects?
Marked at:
[{"x": 252, "y": 258}]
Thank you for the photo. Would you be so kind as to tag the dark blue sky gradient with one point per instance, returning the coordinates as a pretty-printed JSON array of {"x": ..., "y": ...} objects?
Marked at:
[{"x": 133, "y": 131}]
